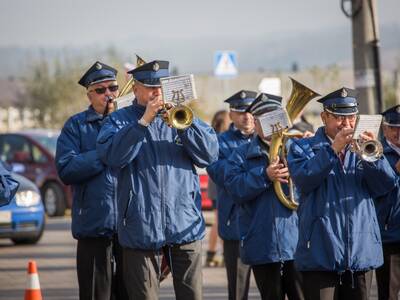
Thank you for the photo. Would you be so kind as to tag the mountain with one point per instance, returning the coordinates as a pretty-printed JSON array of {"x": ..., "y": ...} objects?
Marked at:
[{"x": 194, "y": 54}]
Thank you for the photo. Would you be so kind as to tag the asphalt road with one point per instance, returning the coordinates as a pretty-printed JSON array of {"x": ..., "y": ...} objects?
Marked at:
[{"x": 55, "y": 258}]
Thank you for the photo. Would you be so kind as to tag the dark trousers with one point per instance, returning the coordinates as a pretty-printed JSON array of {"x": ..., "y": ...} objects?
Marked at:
[
  {"x": 238, "y": 273},
  {"x": 93, "y": 264},
  {"x": 118, "y": 289},
  {"x": 333, "y": 286},
  {"x": 99, "y": 268},
  {"x": 388, "y": 275},
  {"x": 142, "y": 271},
  {"x": 277, "y": 280}
]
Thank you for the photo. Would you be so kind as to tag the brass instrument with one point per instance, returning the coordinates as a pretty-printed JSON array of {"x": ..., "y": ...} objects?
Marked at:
[
  {"x": 180, "y": 116},
  {"x": 298, "y": 99},
  {"x": 367, "y": 150},
  {"x": 125, "y": 90}
]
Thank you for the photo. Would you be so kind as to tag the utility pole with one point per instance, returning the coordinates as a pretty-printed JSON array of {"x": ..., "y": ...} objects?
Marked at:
[{"x": 367, "y": 76}]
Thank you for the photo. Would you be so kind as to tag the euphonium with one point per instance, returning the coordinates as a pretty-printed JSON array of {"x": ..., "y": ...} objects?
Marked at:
[{"x": 298, "y": 99}]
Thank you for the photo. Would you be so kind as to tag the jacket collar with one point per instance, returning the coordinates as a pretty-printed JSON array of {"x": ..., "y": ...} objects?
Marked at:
[
  {"x": 387, "y": 148},
  {"x": 92, "y": 115},
  {"x": 255, "y": 148},
  {"x": 320, "y": 139},
  {"x": 137, "y": 107},
  {"x": 236, "y": 132}
]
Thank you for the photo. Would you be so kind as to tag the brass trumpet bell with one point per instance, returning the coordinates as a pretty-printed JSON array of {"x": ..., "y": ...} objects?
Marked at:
[
  {"x": 180, "y": 116},
  {"x": 369, "y": 150}
]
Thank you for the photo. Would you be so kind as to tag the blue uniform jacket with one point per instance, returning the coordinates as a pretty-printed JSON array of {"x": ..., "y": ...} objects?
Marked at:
[
  {"x": 268, "y": 230},
  {"x": 388, "y": 208},
  {"x": 8, "y": 186},
  {"x": 159, "y": 198},
  {"x": 338, "y": 228},
  {"x": 227, "y": 209},
  {"x": 94, "y": 211}
]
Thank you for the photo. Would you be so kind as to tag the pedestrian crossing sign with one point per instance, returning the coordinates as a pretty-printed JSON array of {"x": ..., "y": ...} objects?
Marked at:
[{"x": 225, "y": 64}]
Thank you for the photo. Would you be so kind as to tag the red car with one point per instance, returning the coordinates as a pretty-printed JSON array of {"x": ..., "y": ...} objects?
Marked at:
[{"x": 31, "y": 153}]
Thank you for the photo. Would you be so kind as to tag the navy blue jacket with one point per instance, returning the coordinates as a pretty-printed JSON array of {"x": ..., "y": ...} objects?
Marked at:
[
  {"x": 388, "y": 208},
  {"x": 268, "y": 230},
  {"x": 8, "y": 186},
  {"x": 338, "y": 228},
  {"x": 227, "y": 209},
  {"x": 94, "y": 211},
  {"x": 159, "y": 198}
]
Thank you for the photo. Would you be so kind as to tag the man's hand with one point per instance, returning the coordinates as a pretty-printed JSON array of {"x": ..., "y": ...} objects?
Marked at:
[
  {"x": 110, "y": 107},
  {"x": 343, "y": 138},
  {"x": 307, "y": 134},
  {"x": 152, "y": 108},
  {"x": 367, "y": 136},
  {"x": 165, "y": 114},
  {"x": 277, "y": 171}
]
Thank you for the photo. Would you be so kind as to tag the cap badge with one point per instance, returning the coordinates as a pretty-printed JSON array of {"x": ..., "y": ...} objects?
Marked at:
[
  {"x": 243, "y": 95},
  {"x": 344, "y": 93},
  {"x": 156, "y": 67},
  {"x": 98, "y": 66}
]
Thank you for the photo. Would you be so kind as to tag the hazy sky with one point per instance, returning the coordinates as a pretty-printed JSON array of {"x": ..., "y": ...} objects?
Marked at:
[{"x": 56, "y": 23}]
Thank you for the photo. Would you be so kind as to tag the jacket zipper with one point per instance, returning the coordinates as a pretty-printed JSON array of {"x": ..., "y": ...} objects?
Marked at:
[
  {"x": 387, "y": 220},
  {"x": 83, "y": 197},
  {"x": 127, "y": 206},
  {"x": 115, "y": 200}
]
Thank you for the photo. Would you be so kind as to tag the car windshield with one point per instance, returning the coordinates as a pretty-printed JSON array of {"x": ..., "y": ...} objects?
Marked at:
[{"x": 48, "y": 141}]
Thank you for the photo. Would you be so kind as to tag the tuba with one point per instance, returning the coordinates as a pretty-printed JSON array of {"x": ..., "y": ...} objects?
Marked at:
[{"x": 298, "y": 99}]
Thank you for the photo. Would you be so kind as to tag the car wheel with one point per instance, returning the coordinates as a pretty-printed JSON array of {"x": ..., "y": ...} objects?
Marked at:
[
  {"x": 30, "y": 240},
  {"x": 53, "y": 199}
]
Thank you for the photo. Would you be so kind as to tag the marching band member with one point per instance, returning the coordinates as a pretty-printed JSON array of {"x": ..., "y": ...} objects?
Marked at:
[
  {"x": 339, "y": 241},
  {"x": 388, "y": 212},
  {"x": 267, "y": 229},
  {"x": 94, "y": 206},
  {"x": 159, "y": 196},
  {"x": 240, "y": 132}
]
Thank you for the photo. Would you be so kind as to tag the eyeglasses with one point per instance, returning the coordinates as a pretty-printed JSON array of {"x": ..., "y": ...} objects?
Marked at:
[
  {"x": 102, "y": 90},
  {"x": 341, "y": 118}
]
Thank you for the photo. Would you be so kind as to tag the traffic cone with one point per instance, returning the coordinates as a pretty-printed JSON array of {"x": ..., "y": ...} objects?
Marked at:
[{"x": 32, "y": 291}]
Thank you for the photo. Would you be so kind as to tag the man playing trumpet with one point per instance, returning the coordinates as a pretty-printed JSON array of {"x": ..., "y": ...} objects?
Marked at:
[
  {"x": 339, "y": 241},
  {"x": 159, "y": 196}
]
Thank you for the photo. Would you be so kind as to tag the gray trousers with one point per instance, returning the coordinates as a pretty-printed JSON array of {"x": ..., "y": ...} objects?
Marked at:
[
  {"x": 238, "y": 273},
  {"x": 142, "y": 271}
]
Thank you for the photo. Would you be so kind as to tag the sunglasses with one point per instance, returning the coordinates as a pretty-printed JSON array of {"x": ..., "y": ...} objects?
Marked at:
[{"x": 102, "y": 90}]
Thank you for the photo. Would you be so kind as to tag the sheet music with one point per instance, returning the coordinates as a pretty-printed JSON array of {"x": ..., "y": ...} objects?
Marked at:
[
  {"x": 274, "y": 121},
  {"x": 370, "y": 123},
  {"x": 124, "y": 101},
  {"x": 178, "y": 89}
]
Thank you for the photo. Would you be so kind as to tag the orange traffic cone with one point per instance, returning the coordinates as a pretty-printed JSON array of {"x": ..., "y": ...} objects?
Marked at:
[{"x": 32, "y": 291}]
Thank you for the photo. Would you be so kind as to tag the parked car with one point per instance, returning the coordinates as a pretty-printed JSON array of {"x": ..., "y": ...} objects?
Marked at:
[
  {"x": 23, "y": 219},
  {"x": 31, "y": 153}
]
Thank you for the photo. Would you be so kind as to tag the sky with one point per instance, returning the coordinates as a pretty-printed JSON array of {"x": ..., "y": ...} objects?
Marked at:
[{"x": 73, "y": 23}]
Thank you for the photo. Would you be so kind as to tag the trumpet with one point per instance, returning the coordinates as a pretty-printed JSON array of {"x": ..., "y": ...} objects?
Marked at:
[
  {"x": 369, "y": 151},
  {"x": 180, "y": 116}
]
